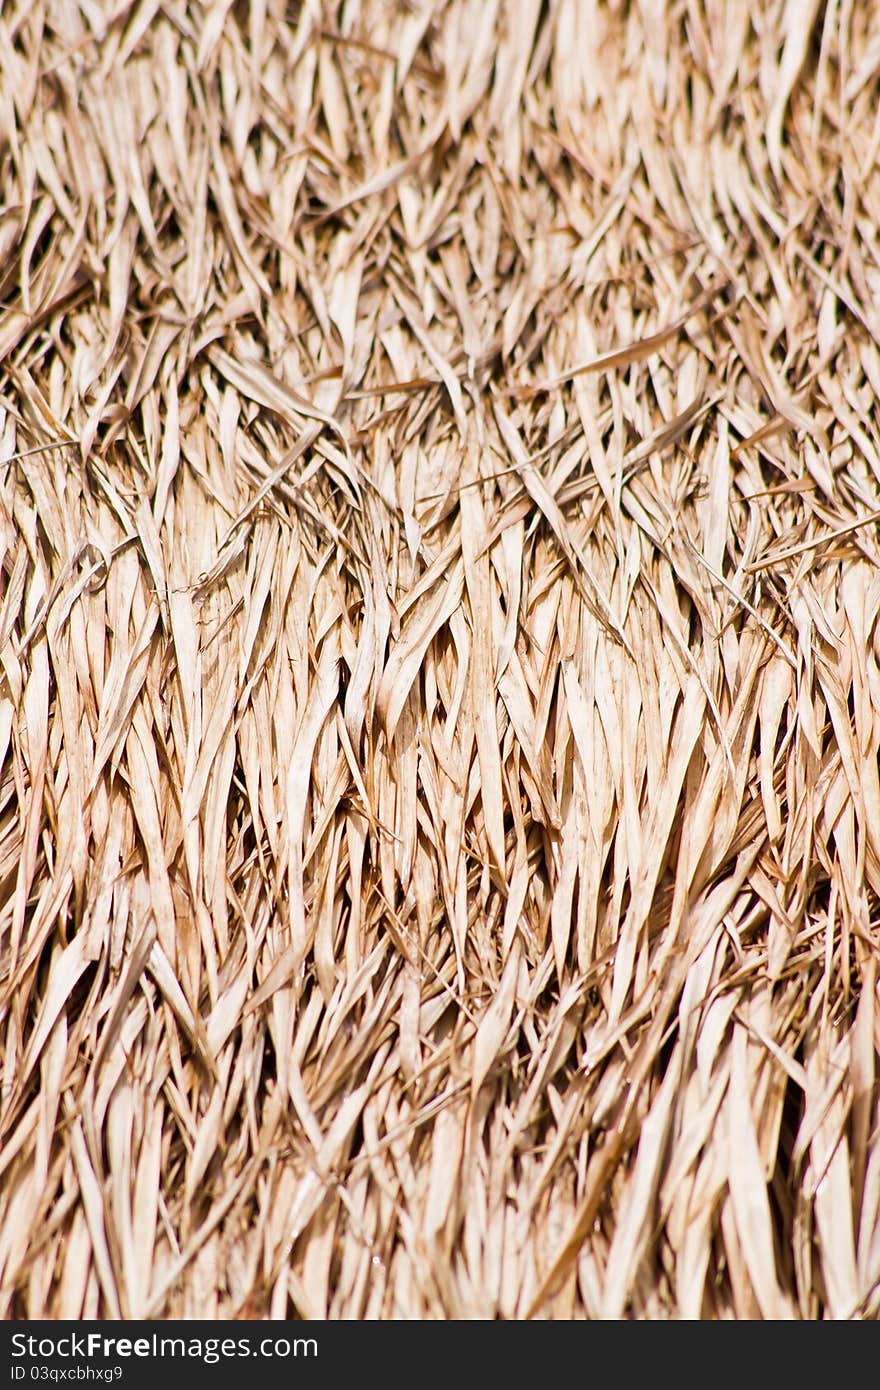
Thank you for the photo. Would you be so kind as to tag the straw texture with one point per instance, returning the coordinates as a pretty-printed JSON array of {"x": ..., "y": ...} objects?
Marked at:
[{"x": 439, "y": 685}]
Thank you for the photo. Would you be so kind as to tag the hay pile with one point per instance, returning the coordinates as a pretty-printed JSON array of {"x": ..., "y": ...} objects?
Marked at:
[{"x": 440, "y": 705}]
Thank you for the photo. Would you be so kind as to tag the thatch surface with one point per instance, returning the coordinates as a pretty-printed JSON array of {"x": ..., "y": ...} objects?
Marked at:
[{"x": 440, "y": 696}]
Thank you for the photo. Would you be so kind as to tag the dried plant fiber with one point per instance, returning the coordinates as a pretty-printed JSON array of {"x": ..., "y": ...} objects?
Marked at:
[{"x": 439, "y": 683}]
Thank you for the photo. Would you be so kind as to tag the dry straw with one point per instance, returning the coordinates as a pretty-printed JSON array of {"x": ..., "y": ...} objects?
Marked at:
[{"x": 440, "y": 703}]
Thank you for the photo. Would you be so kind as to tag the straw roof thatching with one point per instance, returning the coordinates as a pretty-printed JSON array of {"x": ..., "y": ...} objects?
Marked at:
[{"x": 440, "y": 703}]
